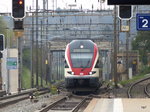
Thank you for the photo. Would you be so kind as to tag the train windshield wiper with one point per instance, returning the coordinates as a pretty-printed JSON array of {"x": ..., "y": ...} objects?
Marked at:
[{"x": 86, "y": 65}]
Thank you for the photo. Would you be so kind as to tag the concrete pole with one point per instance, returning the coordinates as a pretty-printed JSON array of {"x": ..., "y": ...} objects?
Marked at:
[
  {"x": 32, "y": 54},
  {"x": 37, "y": 82},
  {"x": 32, "y": 60},
  {"x": 115, "y": 47},
  {"x": 127, "y": 50},
  {"x": 19, "y": 61},
  {"x": 8, "y": 47},
  {"x": 41, "y": 55}
]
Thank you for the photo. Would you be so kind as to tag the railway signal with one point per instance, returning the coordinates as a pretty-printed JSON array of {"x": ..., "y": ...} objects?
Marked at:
[
  {"x": 18, "y": 25},
  {"x": 2, "y": 42},
  {"x": 18, "y": 9},
  {"x": 125, "y": 12},
  {"x": 128, "y": 2}
]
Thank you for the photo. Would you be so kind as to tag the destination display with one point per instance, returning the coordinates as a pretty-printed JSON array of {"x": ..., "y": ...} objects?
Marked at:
[{"x": 81, "y": 50}]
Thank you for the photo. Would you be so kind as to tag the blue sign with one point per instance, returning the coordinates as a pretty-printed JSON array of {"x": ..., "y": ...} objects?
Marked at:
[
  {"x": 12, "y": 63},
  {"x": 143, "y": 22}
]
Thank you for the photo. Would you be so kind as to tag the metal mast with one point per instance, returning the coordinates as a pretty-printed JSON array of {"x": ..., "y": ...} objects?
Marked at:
[
  {"x": 115, "y": 47},
  {"x": 37, "y": 83}
]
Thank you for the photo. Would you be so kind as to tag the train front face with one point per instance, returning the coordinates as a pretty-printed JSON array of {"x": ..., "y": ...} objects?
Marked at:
[{"x": 81, "y": 68}]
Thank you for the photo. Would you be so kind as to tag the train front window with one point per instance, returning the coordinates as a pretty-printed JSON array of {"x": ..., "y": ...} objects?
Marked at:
[{"x": 81, "y": 60}]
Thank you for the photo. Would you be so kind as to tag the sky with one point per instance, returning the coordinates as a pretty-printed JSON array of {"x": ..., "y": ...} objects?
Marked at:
[{"x": 5, "y": 5}]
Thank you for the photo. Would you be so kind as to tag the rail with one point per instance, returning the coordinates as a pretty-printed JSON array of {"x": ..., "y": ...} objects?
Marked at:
[
  {"x": 7, "y": 100},
  {"x": 146, "y": 90},
  {"x": 134, "y": 84}
]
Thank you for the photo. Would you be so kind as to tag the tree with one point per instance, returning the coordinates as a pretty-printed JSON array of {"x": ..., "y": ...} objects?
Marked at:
[
  {"x": 8, "y": 33},
  {"x": 142, "y": 44},
  {"x": 2, "y": 26}
]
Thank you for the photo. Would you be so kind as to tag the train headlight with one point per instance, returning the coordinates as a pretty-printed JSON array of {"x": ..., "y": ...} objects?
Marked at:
[
  {"x": 93, "y": 72},
  {"x": 72, "y": 73},
  {"x": 90, "y": 73}
]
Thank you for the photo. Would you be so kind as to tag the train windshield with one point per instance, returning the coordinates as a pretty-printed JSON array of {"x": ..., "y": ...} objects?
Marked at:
[{"x": 81, "y": 60}]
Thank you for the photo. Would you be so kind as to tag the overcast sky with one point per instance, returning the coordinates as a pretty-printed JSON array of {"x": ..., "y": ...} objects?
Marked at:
[{"x": 5, "y": 5}]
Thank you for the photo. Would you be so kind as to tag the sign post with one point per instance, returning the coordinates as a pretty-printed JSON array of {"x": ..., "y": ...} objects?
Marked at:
[
  {"x": 12, "y": 63},
  {"x": 143, "y": 22},
  {"x": 124, "y": 28}
]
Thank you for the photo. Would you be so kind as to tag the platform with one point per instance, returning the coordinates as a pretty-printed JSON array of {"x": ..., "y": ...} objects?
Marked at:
[{"x": 118, "y": 105}]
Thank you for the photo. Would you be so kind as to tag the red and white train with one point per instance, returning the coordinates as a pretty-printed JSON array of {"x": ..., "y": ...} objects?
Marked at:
[{"x": 82, "y": 64}]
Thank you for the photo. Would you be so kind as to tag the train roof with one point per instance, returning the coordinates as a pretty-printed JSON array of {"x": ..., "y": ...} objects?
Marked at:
[{"x": 82, "y": 41}]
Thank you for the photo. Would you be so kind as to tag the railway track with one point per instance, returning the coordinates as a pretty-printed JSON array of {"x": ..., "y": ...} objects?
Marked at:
[
  {"x": 139, "y": 89},
  {"x": 7, "y": 100},
  {"x": 147, "y": 90},
  {"x": 69, "y": 103},
  {"x": 74, "y": 103}
]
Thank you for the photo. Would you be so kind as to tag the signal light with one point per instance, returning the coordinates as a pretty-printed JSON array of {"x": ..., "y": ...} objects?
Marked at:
[
  {"x": 18, "y": 25},
  {"x": 128, "y": 2},
  {"x": 18, "y": 9},
  {"x": 20, "y": 2},
  {"x": 2, "y": 42},
  {"x": 125, "y": 12},
  {"x": 1, "y": 55}
]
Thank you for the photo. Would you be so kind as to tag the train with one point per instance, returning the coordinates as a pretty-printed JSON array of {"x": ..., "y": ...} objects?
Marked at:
[{"x": 82, "y": 65}]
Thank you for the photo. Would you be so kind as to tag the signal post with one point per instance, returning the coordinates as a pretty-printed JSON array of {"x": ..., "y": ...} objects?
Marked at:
[
  {"x": 2, "y": 45},
  {"x": 125, "y": 13},
  {"x": 18, "y": 14}
]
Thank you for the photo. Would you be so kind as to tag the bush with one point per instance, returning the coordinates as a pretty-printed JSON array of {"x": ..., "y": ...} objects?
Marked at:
[
  {"x": 145, "y": 70},
  {"x": 26, "y": 78},
  {"x": 53, "y": 89}
]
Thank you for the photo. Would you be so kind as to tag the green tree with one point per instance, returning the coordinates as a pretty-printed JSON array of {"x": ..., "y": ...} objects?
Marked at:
[
  {"x": 142, "y": 44},
  {"x": 2, "y": 26},
  {"x": 26, "y": 58},
  {"x": 8, "y": 33}
]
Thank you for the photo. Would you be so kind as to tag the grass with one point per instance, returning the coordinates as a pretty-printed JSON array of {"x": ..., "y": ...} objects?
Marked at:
[
  {"x": 26, "y": 78},
  {"x": 132, "y": 80},
  {"x": 143, "y": 73},
  {"x": 53, "y": 89},
  {"x": 145, "y": 70},
  {"x": 44, "y": 82},
  {"x": 26, "y": 81}
]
